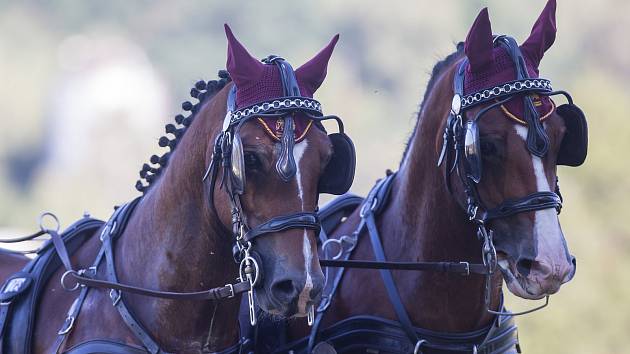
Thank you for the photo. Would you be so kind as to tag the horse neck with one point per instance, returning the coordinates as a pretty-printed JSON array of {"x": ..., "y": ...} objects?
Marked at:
[
  {"x": 173, "y": 242},
  {"x": 434, "y": 228}
]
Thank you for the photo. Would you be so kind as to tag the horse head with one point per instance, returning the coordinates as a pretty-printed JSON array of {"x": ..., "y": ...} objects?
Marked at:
[
  {"x": 271, "y": 158},
  {"x": 510, "y": 136}
]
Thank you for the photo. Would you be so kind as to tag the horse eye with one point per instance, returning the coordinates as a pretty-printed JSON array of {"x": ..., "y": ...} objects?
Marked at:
[
  {"x": 488, "y": 148},
  {"x": 252, "y": 161}
]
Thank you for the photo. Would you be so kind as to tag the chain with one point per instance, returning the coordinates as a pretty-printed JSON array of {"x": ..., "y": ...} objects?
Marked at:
[{"x": 505, "y": 89}]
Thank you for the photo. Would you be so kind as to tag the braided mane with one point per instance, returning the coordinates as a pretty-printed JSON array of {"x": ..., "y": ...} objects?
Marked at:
[{"x": 202, "y": 91}]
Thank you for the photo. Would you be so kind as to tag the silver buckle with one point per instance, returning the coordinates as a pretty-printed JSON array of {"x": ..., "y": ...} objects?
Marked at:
[
  {"x": 232, "y": 294},
  {"x": 367, "y": 207},
  {"x": 467, "y": 268},
  {"x": 115, "y": 296},
  {"x": 67, "y": 326}
]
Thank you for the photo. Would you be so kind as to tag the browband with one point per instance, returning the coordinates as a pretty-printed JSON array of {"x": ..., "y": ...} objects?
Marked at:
[{"x": 292, "y": 100}]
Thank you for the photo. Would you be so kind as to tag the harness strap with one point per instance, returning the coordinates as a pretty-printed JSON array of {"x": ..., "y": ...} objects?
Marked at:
[
  {"x": 531, "y": 202},
  {"x": 463, "y": 268},
  {"x": 388, "y": 280},
  {"x": 218, "y": 293},
  {"x": 299, "y": 220},
  {"x": 112, "y": 228}
]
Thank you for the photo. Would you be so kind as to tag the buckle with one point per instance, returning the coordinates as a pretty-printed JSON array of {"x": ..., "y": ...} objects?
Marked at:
[
  {"x": 115, "y": 296},
  {"x": 67, "y": 326},
  {"x": 368, "y": 206},
  {"x": 231, "y": 287},
  {"x": 467, "y": 267}
]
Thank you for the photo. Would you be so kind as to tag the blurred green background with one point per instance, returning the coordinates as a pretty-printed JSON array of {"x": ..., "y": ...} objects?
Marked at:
[{"x": 86, "y": 87}]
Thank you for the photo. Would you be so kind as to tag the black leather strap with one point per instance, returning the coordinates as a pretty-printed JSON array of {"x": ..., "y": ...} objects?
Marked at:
[
  {"x": 298, "y": 220},
  {"x": 105, "y": 346},
  {"x": 531, "y": 202},
  {"x": 113, "y": 228},
  {"x": 218, "y": 293},
  {"x": 358, "y": 333},
  {"x": 463, "y": 268},
  {"x": 388, "y": 280}
]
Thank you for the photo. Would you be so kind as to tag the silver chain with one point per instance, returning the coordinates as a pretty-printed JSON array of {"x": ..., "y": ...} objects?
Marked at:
[
  {"x": 270, "y": 106},
  {"x": 505, "y": 89}
]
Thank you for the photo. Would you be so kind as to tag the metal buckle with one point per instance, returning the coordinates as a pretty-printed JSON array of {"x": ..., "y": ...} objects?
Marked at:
[
  {"x": 467, "y": 265},
  {"x": 115, "y": 296},
  {"x": 67, "y": 326},
  {"x": 310, "y": 316},
  {"x": 368, "y": 206},
  {"x": 232, "y": 294}
]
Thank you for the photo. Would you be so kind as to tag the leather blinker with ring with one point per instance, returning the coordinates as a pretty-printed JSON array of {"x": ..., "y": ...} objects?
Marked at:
[
  {"x": 472, "y": 151},
  {"x": 237, "y": 167}
]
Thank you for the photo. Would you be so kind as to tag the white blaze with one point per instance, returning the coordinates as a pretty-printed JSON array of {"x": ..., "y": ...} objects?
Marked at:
[
  {"x": 546, "y": 225},
  {"x": 298, "y": 152}
]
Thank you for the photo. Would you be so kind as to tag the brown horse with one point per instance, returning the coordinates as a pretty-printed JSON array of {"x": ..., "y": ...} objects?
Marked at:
[
  {"x": 489, "y": 168},
  {"x": 176, "y": 240}
]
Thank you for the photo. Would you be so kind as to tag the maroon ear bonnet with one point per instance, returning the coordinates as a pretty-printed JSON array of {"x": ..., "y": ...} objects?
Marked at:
[
  {"x": 490, "y": 66},
  {"x": 257, "y": 82}
]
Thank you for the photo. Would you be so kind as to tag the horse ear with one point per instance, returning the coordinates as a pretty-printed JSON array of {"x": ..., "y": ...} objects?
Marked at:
[
  {"x": 543, "y": 34},
  {"x": 243, "y": 67},
  {"x": 312, "y": 74},
  {"x": 478, "y": 46}
]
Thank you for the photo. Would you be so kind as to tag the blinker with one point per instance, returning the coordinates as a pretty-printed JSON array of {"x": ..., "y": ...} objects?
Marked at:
[
  {"x": 237, "y": 165},
  {"x": 456, "y": 104},
  {"x": 471, "y": 151}
]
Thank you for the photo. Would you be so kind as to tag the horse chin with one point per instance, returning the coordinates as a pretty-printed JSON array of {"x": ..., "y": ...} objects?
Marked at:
[
  {"x": 519, "y": 285},
  {"x": 275, "y": 308}
]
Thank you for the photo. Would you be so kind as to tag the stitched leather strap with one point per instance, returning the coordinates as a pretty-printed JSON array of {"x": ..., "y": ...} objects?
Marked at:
[
  {"x": 299, "y": 220},
  {"x": 218, "y": 293},
  {"x": 531, "y": 202},
  {"x": 463, "y": 268},
  {"x": 388, "y": 280}
]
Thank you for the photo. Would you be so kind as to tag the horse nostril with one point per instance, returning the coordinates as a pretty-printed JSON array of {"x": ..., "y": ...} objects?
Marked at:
[
  {"x": 524, "y": 266},
  {"x": 284, "y": 290}
]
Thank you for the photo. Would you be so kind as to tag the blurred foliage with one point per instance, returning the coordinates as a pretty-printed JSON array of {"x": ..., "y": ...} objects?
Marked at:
[{"x": 376, "y": 79}]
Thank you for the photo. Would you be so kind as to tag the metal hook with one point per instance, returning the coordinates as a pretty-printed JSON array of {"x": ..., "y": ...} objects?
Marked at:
[{"x": 310, "y": 316}]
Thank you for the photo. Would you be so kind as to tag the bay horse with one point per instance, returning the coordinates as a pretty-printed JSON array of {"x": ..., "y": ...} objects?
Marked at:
[
  {"x": 488, "y": 123},
  {"x": 241, "y": 181}
]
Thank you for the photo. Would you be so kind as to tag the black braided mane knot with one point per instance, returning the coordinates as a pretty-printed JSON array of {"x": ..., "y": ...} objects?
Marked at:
[{"x": 201, "y": 92}]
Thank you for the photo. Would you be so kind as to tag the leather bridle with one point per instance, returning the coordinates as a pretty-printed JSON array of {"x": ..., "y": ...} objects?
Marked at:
[
  {"x": 454, "y": 156},
  {"x": 228, "y": 154}
]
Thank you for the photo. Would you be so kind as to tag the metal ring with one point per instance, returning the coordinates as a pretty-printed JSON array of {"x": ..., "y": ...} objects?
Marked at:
[
  {"x": 63, "y": 281},
  {"x": 55, "y": 219},
  {"x": 332, "y": 241},
  {"x": 242, "y": 269}
]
